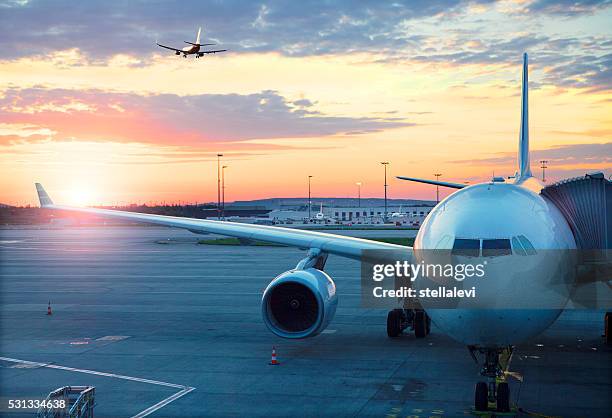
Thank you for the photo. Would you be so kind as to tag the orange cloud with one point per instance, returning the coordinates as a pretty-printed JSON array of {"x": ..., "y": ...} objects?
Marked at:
[{"x": 177, "y": 120}]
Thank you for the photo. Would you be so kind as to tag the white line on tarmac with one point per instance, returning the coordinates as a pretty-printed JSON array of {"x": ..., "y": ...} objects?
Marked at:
[
  {"x": 153, "y": 276},
  {"x": 184, "y": 389},
  {"x": 146, "y": 292},
  {"x": 163, "y": 403},
  {"x": 81, "y": 250}
]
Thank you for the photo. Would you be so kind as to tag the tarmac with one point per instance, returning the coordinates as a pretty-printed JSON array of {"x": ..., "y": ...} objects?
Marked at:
[{"x": 164, "y": 327}]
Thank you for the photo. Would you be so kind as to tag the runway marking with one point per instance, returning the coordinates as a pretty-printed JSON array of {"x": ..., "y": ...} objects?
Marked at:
[
  {"x": 184, "y": 390},
  {"x": 161, "y": 276},
  {"x": 126, "y": 292},
  {"x": 113, "y": 338},
  {"x": 82, "y": 250},
  {"x": 163, "y": 403},
  {"x": 153, "y": 276}
]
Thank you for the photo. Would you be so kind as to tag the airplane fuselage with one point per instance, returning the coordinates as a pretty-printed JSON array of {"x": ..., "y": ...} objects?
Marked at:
[
  {"x": 192, "y": 49},
  {"x": 513, "y": 212}
]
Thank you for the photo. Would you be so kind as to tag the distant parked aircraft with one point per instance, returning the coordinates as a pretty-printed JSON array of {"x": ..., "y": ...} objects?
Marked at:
[
  {"x": 320, "y": 215},
  {"x": 193, "y": 49},
  {"x": 399, "y": 213}
]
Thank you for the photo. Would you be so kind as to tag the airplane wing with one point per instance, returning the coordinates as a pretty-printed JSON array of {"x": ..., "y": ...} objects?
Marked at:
[
  {"x": 434, "y": 182},
  {"x": 169, "y": 47},
  {"x": 212, "y": 52},
  {"x": 329, "y": 243}
]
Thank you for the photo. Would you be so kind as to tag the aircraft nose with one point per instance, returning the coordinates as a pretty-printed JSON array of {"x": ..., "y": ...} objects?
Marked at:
[{"x": 493, "y": 327}]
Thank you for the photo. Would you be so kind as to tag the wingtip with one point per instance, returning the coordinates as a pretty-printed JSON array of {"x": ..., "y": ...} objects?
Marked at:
[{"x": 43, "y": 197}]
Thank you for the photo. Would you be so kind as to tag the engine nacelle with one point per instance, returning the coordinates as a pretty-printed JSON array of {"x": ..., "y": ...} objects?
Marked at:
[{"x": 299, "y": 303}]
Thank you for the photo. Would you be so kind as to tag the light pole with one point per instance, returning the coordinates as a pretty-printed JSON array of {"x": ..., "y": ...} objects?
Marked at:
[
  {"x": 544, "y": 167},
  {"x": 219, "y": 186},
  {"x": 358, "y": 194},
  {"x": 309, "y": 200},
  {"x": 385, "y": 164},
  {"x": 223, "y": 190},
  {"x": 437, "y": 188}
]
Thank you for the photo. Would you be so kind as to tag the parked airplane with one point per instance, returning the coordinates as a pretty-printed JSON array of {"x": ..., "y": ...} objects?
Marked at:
[
  {"x": 515, "y": 217},
  {"x": 193, "y": 49},
  {"x": 320, "y": 215},
  {"x": 398, "y": 214}
]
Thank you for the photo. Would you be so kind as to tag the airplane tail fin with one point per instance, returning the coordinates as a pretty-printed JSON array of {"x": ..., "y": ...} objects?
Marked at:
[
  {"x": 43, "y": 197},
  {"x": 523, "y": 154},
  {"x": 198, "y": 37}
]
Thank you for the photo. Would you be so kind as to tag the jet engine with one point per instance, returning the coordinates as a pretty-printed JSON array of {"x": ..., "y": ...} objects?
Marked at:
[{"x": 299, "y": 303}]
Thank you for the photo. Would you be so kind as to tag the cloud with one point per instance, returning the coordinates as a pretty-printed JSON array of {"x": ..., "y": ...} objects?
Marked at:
[
  {"x": 104, "y": 28},
  {"x": 571, "y": 62},
  {"x": 169, "y": 119},
  {"x": 566, "y": 7},
  {"x": 559, "y": 155},
  {"x": 456, "y": 32}
]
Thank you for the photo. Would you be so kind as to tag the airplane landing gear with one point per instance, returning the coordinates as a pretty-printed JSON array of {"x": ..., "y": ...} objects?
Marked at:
[
  {"x": 503, "y": 397},
  {"x": 495, "y": 390},
  {"x": 481, "y": 397},
  {"x": 400, "y": 319},
  {"x": 396, "y": 322}
]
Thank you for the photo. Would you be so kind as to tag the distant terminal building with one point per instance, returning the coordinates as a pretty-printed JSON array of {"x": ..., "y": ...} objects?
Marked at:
[
  {"x": 405, "y": 216},
  {"x": 329, "y": 211},
  {"x": 410, "y": 215}
]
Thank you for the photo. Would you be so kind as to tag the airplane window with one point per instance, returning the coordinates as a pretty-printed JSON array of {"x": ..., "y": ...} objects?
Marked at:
[
  {"x": 496, "y": 247},
  {"x": 526, "y": 245},
  {"x": 467, "y": 247},
  {"x": 517, "y": 247}
]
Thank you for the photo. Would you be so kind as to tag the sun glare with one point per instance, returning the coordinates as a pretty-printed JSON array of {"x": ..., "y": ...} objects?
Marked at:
[{"x": 81, "y": 197}]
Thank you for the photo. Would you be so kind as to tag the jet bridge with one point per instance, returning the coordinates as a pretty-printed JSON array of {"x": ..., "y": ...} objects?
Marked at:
[{"x": 586, "y": 204}]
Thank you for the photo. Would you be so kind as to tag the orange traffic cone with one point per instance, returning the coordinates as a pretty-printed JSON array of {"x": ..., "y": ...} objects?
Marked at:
[
  {"x": 274, "y": 362},
  {"x": 49, "y": 309}
]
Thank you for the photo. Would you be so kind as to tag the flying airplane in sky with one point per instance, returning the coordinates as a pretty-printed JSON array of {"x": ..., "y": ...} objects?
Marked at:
[
  {"x": 514, "y": 216},
  {"x": 193, "y": 48}
]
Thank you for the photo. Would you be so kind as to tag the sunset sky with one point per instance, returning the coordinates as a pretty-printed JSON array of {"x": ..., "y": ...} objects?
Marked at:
[{"x": 94, "y": 110}]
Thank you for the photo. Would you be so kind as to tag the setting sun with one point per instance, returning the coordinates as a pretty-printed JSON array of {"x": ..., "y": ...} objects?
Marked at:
[{"x": 81, "y": 197}]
